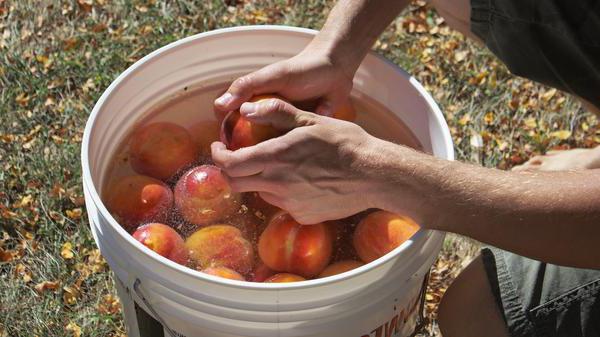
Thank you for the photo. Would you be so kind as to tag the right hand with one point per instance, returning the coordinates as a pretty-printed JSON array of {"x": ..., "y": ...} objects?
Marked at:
[{"x": 310, "y": 75}]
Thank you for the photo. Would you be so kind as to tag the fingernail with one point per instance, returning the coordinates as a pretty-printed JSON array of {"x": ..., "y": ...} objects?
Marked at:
[
  {"x": 248, "y": 109},
  {"x": 224, "y": 99}
]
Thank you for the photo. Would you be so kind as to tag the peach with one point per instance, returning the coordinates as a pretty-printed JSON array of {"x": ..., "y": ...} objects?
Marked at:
[
  {"x": 161, "y": 149},
  {"x": 203, "y": 134},
  {"x": 345, "y": 112},
  {"x": 203, "y": 195},
  {"x": 340, "y": 267},
  {"x": 261, "y": 273},
  {"x": 164, "y": 240},
  {"x": 381, "y": 232},
  {"x": 224, "y": 272},
  {"x": 221, "y": 246},
  {"x": 137, "y": 199},
  {"x": 287, "y": 246},
  {"x": 238, "y": 132},
  {"x": 284, "y": 278}
]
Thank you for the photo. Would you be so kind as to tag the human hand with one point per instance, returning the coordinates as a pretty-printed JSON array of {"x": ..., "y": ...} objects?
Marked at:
[
  {"x": 563, "y": 160},
  {"x": 310, "y": 75},
  {"x": 316, "y": 172}
]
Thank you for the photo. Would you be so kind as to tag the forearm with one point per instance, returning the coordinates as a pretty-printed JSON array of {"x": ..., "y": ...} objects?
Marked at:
[
  {"x": 353, "y": 26},
  {"x": 550, "y": 216}
]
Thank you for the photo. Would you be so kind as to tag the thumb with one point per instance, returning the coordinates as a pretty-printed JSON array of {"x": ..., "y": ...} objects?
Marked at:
[
  {"x": 269, "y": 79},
  {"x": 278, "y": 113}
]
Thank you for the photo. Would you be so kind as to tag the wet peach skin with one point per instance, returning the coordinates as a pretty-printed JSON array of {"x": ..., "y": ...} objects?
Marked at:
[
  {"x": 221, "y": 246},
  {"x": 164, "y": 240},
  {"x": 224, "y": 272},
  {"x": 287, "y": 246},
  {"x": 238, "y": 132},
  {"x": 381, "y": 232},
  {"x": 340, "y": 267},
  {"x": 138, "y": 199},
  {"x": 161, "y": 149},
  {"x": 284, "y": 278},
  {"x": 203, "y": 195}
]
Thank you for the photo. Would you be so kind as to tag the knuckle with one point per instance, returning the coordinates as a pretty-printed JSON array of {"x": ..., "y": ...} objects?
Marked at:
[
  {"x": 275, "y": 105},
  {"x": 243, "y": 82}
]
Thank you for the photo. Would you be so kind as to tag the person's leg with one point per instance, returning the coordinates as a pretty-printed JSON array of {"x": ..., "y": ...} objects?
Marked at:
[
  {"x": 457, "y": 13},
  {"x": 469, "y": 307}
]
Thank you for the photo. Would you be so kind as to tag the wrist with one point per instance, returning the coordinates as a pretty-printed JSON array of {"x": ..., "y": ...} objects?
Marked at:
[
  {"x": 344, "y": 56},
  {"x": 404, "y": 182}
]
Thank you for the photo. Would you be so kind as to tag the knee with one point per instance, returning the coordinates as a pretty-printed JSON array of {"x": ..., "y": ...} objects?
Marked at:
[{"x": 468, "y": 308}]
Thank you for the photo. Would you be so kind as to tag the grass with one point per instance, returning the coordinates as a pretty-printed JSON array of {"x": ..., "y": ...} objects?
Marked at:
[{"x": 56, "y": 58}]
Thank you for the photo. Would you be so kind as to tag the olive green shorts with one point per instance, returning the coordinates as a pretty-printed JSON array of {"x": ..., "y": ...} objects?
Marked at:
[{"x": 543, "y": 300}]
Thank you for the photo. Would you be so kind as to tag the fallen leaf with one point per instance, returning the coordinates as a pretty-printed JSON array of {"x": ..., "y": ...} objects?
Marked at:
[
  {"x": 67, "y": 251},
  {"x": 70, "y": 295},
  {"x": 561, "y": 134},
  {"x": 46, "y": 285},
  {"x": 549, "y": 94},
  {"x": 109, "y": 305},
  {"x": 74, "y": 214},
  {"x": 74, "y": 329}
]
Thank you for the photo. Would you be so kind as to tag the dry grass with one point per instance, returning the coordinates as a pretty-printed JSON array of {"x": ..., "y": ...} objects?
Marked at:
[{"x": 57, "y": 57}]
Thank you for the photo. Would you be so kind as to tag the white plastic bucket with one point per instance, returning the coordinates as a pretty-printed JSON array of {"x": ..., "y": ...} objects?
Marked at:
[{"x": 379, "y": 299}]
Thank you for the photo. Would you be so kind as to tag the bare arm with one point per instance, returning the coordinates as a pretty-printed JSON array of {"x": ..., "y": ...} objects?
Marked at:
[
  {"x": 549, "y": 216},
  {"x": 324, "y": 70},
  {"x": 327, "y": 169},
  {"x": 353, "y": 26}
]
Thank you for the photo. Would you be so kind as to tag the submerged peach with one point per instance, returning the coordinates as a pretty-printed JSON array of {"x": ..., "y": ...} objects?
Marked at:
[
  {"x": 287, "y": 246},
  {"x": 221, "y": 246},
  {"x": 138, "y": 199},
  {"x": 164, "y": 240},
  {"x": 161, "y": 149},
  {"x": 203, "y": 195},
  {"x": 381, "y": 232}
]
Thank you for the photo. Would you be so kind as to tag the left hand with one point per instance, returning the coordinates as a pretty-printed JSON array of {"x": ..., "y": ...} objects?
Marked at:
[{"x": 316, "y": 172}]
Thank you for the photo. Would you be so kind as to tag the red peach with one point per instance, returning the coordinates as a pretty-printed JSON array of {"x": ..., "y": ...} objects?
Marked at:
[
  {"x": 381, "y": 232},
  {"x": 224, "y": 272},
  {"x": 261, "y": 273},
  {"x": 340, "y": 267},
  {"x": 203, "y": 134},
  {"x": 284, "y": 278},
  {"x": 203, "y": 195},
  {"x": 164, "y": 240},
  {"x": 221, "y": 246},
  {"x": 161, "y": 149},
  {"x": 238, "y": 132},
  {"x": 345, "y": 112},
  {"x": 287, "y": 246},
  {"x": 137, "y": 199}
]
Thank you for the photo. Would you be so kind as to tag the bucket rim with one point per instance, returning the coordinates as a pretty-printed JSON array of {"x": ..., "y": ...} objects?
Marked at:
[{"x": 88, "y": 182}]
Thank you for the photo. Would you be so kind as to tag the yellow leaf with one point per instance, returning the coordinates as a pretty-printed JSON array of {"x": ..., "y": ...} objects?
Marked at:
[
  {"x": 549, "y": 94},
  {"x": 67, "y": 251},
  {"x": 22, "y": 99},
  {"x": 70, "y": 295},
  {"x": 530, "y": 123},
  {"x": 489, "y": 117},
  {"x": 561, "y": 134},
  {"x": 74, "y": 329},
  {"x": 46, "y": 285},
  {"x": 74, "y": 213},
  {"x": 464, "y": 120}
]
